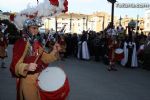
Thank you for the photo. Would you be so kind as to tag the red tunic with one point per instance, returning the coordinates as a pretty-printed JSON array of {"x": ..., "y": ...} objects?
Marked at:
[
  {"x": 112, "y": 45},
  {"x": 3, "y": 46},
  {"x": 27, "y": 81},
  {"x": 18, "y": 51}
]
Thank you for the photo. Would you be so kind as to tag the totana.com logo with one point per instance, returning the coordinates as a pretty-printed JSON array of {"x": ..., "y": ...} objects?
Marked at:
[{"x": 132, "y": 5}]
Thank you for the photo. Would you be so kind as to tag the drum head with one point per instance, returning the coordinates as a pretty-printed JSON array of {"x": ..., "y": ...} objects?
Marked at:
[
  {"x": 119, "y": 51},
  {"x": 51, "y": 79}
]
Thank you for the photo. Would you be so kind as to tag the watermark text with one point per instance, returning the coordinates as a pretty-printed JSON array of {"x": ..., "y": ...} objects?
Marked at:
[{"x": 132, "y": 5}]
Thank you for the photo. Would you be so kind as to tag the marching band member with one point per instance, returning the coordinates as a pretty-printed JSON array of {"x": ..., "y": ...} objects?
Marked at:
[
  {"x": 112, "y": 45},
  {"x": 3, "y": 52},
  {"x": 3, "y": 43},
  {"x": 29, "y": 59},
  {"x": 130, "y": 54},
  {"x": 146, "y": 54},
  {"x": 83, "y": 51},
  {"x": 63, "y": 45}
]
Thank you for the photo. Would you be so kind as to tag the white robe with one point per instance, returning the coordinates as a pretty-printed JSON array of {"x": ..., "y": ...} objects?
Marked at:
[
  {"x": 85, "y": 51},
  {"x": 134, "y": 62}
]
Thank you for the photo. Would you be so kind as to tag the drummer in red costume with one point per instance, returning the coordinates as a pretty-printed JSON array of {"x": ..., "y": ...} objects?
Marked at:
[
  {"x": 3, "y": 46},
  {"x": 112, "y": 45},
  {"x": 29, "y": 59}
]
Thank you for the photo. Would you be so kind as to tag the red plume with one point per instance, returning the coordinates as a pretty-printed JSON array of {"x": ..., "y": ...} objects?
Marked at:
[
  {"x": 54, "y": 2},
  {"x": 11, "y": 17},
  {"x": 66, "y": 6}
]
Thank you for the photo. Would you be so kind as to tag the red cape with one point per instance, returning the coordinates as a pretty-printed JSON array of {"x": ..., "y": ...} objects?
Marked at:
[{"x": 18, "y": 51}]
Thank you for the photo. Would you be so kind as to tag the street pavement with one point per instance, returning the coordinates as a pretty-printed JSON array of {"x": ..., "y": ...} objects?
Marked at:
[{"x": 89, "y": 80}]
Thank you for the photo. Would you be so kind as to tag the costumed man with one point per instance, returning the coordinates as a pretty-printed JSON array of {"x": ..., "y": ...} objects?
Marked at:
[
  {"x": 62, "y": 42},
  {"x": 111, "y": 31},
  {"x": 146, "y": 54},
  {"x": 130, "y": 54},
  {"x": 83, "y": 51},
  {"x": 29, "y": 59},
  {"x": 121, "y": 33},
  {"x": 3, "y": 44},
  {"x": 97, "y": 47},
  {"x": 112, "y": 45}
]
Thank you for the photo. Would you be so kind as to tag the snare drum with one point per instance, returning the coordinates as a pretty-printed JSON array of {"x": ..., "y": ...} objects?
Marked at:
[
  {"x": 53, "y": 84},
  {"x": 119, "y": 54}
]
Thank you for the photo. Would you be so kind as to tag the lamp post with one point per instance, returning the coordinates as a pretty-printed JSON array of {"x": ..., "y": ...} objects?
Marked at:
[
  {"x": 137, "y": 23},
  {"x": 87, "y": 23},
  {"x": 83, "y": 22},
  {"x": 56, "y": 23},
  {"x": 70, "y": 22},
  {"x": 120, "y": 20},
  {"x": 112, "y": 11},
  {"x": 103, "y": 22}
]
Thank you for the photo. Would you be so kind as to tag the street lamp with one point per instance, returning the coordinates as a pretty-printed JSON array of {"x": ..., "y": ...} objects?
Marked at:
[
  {"x": 103, "y": 22},
  {"x": 137, "y": 23},
  {"x": 83, "y": 22},
  {"x": 112, "y": 11},
  {"x": 70, "y": 22},
  {"x": 56, "y": 23},
  {"x": 86, "y": 22},
  {"x": 120, "y": 20}
]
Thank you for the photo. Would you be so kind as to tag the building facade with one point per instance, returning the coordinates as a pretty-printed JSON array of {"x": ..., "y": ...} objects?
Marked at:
[
  {"x": 76, "y": 22},
  {"x": 147, "y": 21}
]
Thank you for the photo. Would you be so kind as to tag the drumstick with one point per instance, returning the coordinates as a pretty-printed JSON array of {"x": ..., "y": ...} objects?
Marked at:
[
  {"x": 43, "y": 49},
  {"x": 40, "y": 55},
  {"x": 35, "y": 61}
]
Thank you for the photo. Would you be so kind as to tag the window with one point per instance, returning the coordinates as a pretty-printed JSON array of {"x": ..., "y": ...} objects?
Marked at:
[{"x": 147, "y": 25}]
